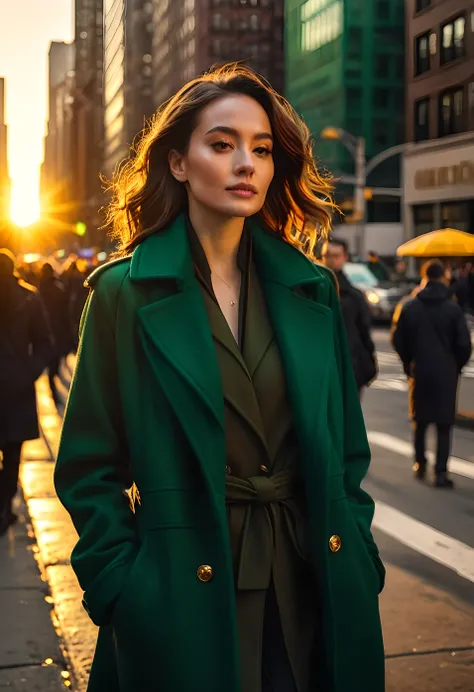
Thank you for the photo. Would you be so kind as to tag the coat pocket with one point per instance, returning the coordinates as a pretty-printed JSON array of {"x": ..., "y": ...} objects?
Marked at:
[{"x": 350, "y": 557}]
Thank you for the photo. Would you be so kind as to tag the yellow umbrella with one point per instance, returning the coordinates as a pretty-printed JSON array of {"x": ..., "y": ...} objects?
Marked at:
[{"x": 446, "y": 242}]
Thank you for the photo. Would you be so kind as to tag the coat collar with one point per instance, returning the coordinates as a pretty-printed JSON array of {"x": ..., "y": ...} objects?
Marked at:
[{"x": 166, "y": 255}]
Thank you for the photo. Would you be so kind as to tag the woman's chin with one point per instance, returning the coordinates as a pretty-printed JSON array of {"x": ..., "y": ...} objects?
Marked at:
[{"x": 243, "y": 209}]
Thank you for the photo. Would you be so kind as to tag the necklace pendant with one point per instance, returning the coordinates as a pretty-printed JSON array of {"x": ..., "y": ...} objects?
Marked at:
[{"x": 232, "y": 303}]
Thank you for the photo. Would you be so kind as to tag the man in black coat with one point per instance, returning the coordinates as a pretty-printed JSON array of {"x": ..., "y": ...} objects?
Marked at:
[
  {"x": 55, "y": 300},
  {"x": 356, "y": 315},
  {"x": 25, "y": 349},
  {"x": 431, "y": 336}
]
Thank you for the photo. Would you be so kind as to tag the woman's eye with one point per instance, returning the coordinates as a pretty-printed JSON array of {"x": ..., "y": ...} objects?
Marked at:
[
  {"x": 221, "y": 146},
  {"x": 263, "y": 151}
]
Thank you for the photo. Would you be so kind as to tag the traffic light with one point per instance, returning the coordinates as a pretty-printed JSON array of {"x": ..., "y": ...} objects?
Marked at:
[{"x": 81, "y": 228}]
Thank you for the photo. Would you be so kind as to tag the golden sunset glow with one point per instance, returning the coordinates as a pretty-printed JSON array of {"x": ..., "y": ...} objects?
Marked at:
[{"x": 25, "y": 209}]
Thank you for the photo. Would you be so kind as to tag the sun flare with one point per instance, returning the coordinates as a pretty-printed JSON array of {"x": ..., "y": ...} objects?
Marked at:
[{"x": 25, "y": 208}]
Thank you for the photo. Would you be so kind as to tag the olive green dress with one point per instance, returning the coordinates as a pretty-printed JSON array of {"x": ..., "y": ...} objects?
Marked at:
[{"x": 263, "y": 495}]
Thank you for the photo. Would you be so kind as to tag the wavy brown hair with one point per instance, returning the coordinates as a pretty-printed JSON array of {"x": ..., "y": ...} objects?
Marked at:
[{"x": 147, "y": 198}]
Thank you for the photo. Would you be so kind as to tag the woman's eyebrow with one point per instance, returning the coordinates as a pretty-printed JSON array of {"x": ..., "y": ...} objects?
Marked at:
[{"x": 236, "y": 133}]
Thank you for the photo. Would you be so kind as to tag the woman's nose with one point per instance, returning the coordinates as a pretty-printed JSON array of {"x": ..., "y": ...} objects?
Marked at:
[{"x": 244, "y": 162}]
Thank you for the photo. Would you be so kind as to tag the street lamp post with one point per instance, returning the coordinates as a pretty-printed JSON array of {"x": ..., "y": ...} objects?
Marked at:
[{"x": 363, "y": 168}]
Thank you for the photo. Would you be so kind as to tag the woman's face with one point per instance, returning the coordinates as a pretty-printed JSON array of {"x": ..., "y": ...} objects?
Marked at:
[{"x": 228, "y": 166}]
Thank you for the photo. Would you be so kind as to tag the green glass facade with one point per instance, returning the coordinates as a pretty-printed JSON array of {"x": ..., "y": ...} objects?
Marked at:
[{"x": 345, "y": 68}]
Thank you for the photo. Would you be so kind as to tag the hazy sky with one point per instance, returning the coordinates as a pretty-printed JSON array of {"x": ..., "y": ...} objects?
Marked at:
[{"x": 26, "y": 29}]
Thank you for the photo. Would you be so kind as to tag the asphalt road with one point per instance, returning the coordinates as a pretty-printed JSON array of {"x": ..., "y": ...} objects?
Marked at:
[{"x": 427, "y": 531}]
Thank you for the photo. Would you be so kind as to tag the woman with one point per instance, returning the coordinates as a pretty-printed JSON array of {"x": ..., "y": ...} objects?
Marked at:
[{"x": 213, "y": 376}]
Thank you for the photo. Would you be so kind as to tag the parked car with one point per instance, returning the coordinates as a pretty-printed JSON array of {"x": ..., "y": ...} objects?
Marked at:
[{"x": 382, "y": 296}]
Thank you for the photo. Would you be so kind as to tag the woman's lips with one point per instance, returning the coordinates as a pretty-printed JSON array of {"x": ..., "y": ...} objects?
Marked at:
[{"x": 239, "y": 192}]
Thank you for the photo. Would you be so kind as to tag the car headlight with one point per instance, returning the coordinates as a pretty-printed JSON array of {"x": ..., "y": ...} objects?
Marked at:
[{"x": 372, "y": 297}]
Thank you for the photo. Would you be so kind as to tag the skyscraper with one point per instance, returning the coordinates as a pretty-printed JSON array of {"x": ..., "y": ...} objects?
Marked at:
[
  {"x": 127, "y": 75},
  {"x": 88, "y": 118},
  {"x": 345, "y": 69},
  {"x": 4, "y": 177},
  {"x": 190, "y": 36},
  {"x": 57, "y": 189}
]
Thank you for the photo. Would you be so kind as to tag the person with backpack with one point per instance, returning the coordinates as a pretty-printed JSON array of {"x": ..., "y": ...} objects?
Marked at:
[
  {"x": 26, "y": 347},
  {"x": 431, "y": 336}
]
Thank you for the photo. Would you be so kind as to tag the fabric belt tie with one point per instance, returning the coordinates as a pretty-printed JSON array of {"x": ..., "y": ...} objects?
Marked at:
[{"x": 267, "y": 504}]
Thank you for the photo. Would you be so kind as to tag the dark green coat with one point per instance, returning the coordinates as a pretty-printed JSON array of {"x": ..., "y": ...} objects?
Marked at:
[{"x": 146, "y": 404}]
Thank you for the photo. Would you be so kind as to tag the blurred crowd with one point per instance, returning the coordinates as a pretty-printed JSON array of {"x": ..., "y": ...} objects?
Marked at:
[{"x": 63, "y": 295}]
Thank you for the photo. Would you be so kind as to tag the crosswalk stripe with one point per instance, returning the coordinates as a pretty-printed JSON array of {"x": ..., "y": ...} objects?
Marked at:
[
  {"x": 425, "y": 540},
  {"x": 394, "y": 444}
]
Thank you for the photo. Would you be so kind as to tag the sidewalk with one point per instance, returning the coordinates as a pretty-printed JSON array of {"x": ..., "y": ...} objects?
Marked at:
[
  {"x": 30, "y": 650},
  {"x": 429, "y": 636}
]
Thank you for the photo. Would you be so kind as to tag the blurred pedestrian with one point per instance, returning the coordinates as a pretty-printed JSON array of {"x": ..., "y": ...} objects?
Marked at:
[
  {"x": 356, "y": 315},
  {"x": 378, "y": 268},
  {"x": 399, "y": 272},
  {"x": 433, "y": 341},
  {"x": 73, "y": 279},
  {"x": 214, "y": 374},
  {"x": 460, "y": 286},
  {"x": 55, "y": 300},
  {"x": 25, "y": 350}
]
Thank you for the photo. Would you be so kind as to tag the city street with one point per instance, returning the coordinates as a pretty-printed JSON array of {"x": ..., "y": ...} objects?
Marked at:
[{"x": 425, "y": 536}]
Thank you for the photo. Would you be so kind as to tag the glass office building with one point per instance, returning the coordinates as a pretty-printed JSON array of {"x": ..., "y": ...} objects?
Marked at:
[{"x": 345, "y": 68}]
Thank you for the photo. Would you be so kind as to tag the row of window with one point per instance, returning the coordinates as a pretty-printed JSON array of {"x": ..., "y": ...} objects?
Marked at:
[
  {"x": 223, "y": 49},
  {"x": 453, "y": 44},
  {"x": 253, "y": 22},
  {"x": 455, "y": 108},
  {"x": 242, "y": 3},
  {"x": 383, "y": 98},
  {"x": 451, "y": 215}
]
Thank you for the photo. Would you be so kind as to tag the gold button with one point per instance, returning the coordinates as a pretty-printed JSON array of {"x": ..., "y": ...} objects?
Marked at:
[
  {"x": 335, "y": 543},
  {"x": 263, "y": 468},
  {"x": 205, "y": 573},
  {"x": 228, "y": 470}
]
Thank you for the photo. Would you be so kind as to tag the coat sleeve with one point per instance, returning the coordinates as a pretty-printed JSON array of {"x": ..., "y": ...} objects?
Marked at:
[
  {"x": 356, "y": 446},
  {"x": 90, "y": 474},
  {"x": 462, "y": 340}
]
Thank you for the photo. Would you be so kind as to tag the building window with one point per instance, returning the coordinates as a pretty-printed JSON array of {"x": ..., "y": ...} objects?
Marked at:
[
  {"x": 382, "y": 66},
  {"x": 381, "y": 98},
  {"x": 452, "y": 40},
  {"x": 322, "y": 28},
  {"x": 254, "y": 22},
  {"x": 422, "y": 120},
  {"x": 455, "y": 215},
  {"x": 383, "y": 9},
  {"x": 219, "y": 22},
  {"x": 470, "y": 104},
  {"x": 354, "y": 98},
  {"x": 380, "y": 132},
  {"x": 423, "y": 218},
  {"x": 422, "y": 54},
  {"x": 422, "y": 4},
  {"x": 451, "y": 112}
]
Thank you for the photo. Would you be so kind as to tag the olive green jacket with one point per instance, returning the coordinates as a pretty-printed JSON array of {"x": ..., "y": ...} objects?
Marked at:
[{"x": 146, "y": 405}]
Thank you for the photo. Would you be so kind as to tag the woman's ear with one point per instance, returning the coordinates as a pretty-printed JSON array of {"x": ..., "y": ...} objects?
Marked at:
[{"x": 177, "y": 166}]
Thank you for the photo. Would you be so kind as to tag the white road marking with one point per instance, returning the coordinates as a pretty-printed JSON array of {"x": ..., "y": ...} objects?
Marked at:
[
  {"x": 425, "y": 540},
  {"x": 391, "y": 360},
  {"x": 394, "y": 444}
]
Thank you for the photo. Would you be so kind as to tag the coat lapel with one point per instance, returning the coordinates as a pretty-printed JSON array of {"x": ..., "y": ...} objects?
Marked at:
[
  {"x": 178, "y": 342},
  {"x": 303, "y": 329},
  {"x": 237, "y": 384}
]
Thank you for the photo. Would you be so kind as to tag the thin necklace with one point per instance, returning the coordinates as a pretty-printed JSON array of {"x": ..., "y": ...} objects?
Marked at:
[{"x": 232, "y": 302}]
